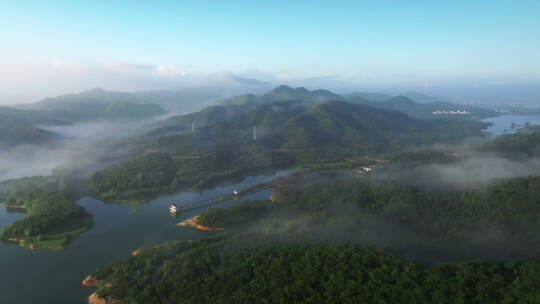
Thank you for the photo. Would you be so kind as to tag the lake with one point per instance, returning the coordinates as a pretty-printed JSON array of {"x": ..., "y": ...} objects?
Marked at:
[
  {"x": 502, "y": 124},
  {"x": 42, "y": 276}
]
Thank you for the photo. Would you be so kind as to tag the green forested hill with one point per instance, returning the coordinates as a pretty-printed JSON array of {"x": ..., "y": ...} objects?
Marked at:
[
  {"x": 233, "y": 106},
  {"x": 343, "y": 125},
  {"x": 214, "y": 272},
  {"x": 240, "y": 104},
  {"x": 14, "y": 132},
  {"x": 370, "y": 96},
  {"x": 34, "y": 116},
  {"x": 303, "y": 124},
  {"x": 52, "y": 220},
  {"x": 90, "y": 105},
  {"x": 205, "y": 117},
  {"x": 424, "y": 110},
  {"x": 517, "y": 145},
  {"x": 284, "y": 92},
  {"x": 90, "y": 109},
  {"x": 289, "y": 133},
  {"x": 308, "y": 247}
]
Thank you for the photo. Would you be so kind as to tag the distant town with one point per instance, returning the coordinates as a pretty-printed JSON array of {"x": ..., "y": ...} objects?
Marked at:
[{"x": 451, "y": 112}]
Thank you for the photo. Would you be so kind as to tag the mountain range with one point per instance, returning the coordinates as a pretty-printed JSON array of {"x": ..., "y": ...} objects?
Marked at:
[
  {"x": 233, "y": 106},
  {"x": 98, "y": 104},
  {"x": 252, "y": 133}
]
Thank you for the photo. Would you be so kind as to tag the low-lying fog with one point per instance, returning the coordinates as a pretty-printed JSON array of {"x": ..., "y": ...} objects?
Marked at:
[
  {"x": 32, "y": 160},
  {"x": 471, "y": 169}
]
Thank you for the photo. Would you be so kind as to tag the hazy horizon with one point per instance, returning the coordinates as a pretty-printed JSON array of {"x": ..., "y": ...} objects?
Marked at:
[{"x": 486, "y": 51}]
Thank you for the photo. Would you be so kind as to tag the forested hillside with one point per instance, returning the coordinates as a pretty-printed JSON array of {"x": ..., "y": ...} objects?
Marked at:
[
  {"x": 235, "y": 271},
  {"x": 289, "y": 133},
  {"x": 15, "y": 132},
  {"x": 86, "y": 106},
  {"x": 52, "y": 219},
  {"x": 308, "y": 247},
  {"x": 233, "y": 106},
  {"x": 425, "y": 110},
  {"x": 517, "y": 145}
]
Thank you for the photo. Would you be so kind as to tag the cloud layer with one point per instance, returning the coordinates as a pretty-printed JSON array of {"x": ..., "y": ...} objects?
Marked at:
[{"x": 30, "y": 82}]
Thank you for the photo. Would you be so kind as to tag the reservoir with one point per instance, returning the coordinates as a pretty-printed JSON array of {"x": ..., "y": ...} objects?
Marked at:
[
  {"x": 502, "y": 124},
  {"x": 43, "y": 276}
]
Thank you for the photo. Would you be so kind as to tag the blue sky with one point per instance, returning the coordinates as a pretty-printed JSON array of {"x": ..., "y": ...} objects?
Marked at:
[{"x": 377, "y": 42}]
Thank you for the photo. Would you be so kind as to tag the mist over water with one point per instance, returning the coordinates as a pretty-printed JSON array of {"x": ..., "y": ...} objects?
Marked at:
[{"x": 33, "y": 160}]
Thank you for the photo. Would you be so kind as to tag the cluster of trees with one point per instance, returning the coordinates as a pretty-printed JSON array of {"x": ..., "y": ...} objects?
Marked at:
[
  {"x": 503, "y": 214},
  {"x": 264, "y": 270},
  {"x": 52, "y": 219},
  {"x": 14, "y": 132},
  {"x": 235, "y": 215},
  {"x": 290, "y": 133},
  {"x": 143, "y": 177},
  {"x": 93, "y": 104},
  {"x": 509, "y": 209},
  {"x": 516, "y": 145},
  {"x": 304, "y": 249},
  {"x": 64, "y": 111}
]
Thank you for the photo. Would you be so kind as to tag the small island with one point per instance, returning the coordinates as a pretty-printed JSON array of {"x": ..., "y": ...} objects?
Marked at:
[{"x": 52, "y": 218}]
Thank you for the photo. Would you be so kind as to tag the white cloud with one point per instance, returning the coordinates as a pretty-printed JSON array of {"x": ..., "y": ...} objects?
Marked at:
[
  {"x": 170, "y": 70},
  {"x": 24, "y": 82}
]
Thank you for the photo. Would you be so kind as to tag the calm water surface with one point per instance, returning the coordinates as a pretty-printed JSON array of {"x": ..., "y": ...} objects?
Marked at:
[
  {"x": 42, "y": 276},
  {"x": 502, "y": 124}
]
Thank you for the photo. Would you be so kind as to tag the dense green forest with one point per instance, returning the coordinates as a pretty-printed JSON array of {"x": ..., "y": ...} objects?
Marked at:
[
  {"x": 231, "y": 107},
  {"x": 15, "y": 132},
  {"x": 236, "y": 215},
  {"x": 52, "y": 219},
  {"x": 90, "y": 105},
  {"x": 309, "y": 247},
  {"x": 248, "y": 269},
  {"x": 234, "y": 106},
  {"x": 503, "y": 213},
  {"x": 289, "y": 134},
  {"x": 295, "y": 128},
  {"x": 518, "y": 145},
  {"x": 144, "y": 177},
  {"x": 33, "y": 116}
]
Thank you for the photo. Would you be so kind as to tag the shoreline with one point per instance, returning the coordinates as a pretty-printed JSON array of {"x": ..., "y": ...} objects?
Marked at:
[
  {"x": 21, "y": 243},
  {"x": 94, "y": 298},
  {"x": 13, "y": 206},
  {"x": 194, "y": 222}
]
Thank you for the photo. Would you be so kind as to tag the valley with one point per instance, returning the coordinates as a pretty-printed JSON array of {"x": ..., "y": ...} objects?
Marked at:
[
  {"x": 273, "y": 152},
  {"x": 403, "y": 203}
]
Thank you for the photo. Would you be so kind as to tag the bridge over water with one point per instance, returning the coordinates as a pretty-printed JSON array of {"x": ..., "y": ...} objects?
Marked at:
[{"x": 207, "y": 202}]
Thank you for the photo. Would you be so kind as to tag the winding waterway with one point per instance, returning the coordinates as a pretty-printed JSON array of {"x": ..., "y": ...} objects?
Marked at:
[{"x": 42, "y": 276}]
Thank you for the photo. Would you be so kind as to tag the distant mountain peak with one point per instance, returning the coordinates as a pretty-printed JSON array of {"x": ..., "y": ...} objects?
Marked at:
[
  {"x": 283, "y": 87},
  {"x": 401, "y": 98},
  {"x": 370, "y": 96},
  {"x": 284, "y": 92},
  {"x": 286, "y": 88},
  {"x": 423, "y": 98},
  {"x": 95, "y": 90}
]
